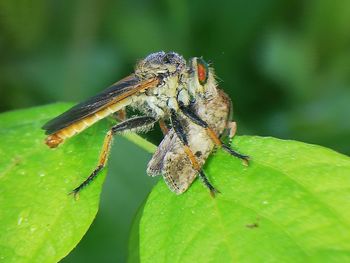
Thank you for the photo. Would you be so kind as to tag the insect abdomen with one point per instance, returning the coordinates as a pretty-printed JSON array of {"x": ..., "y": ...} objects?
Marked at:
[{"x": 53, "y": 140}]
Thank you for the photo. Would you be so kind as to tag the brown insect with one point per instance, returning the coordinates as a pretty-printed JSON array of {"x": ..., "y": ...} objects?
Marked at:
[{"x": 171, "y": 160}]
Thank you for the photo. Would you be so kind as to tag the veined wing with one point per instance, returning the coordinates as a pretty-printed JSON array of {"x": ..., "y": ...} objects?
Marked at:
[
  {"x": 118, "y": 91},
  {"x": 171, "y": 161}
]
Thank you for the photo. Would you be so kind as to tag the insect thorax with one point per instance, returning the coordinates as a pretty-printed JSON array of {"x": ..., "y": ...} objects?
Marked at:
[
  {"x": 160, "y": 64},
  {"x": 158, "y": 102},
  {"x": 170, "y": 69}
]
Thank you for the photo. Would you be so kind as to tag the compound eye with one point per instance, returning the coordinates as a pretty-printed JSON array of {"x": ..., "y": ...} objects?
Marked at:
[{"x": 203, "y": 69}]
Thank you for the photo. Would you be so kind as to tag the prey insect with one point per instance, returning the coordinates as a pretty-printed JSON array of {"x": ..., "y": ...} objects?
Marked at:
[
  {"x": 162, "y": 87},
  {"x": 170, "y": 159}
]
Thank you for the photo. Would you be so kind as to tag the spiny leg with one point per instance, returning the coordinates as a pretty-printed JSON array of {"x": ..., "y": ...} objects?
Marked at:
[
  {"x": 232, "y": 127},
  {"x": 205, "y": 181},
  {"x": 121, "y": 115},
  {"x": 101, "y": 163},
  {"x": 196, "y": 119},
  {"x": 244, "y": 158},
  {"x": 163, "y": 127},
  {"x": 127, "y": 125},
  {"x": 177, "y": 126},
  {"x": 230, "y": 124}
]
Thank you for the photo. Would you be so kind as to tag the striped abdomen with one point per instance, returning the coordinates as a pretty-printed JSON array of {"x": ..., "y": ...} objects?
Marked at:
[{"x": 53, "y": 140}]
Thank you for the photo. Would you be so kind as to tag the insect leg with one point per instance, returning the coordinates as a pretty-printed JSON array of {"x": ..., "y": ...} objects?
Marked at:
[
  {"x": 163, "y": 127},
  {"x": 177, "y": 126},
  {"x": 134, "y": 124},
  {"x": 196, "y": 119},
  {"x": 232, "y": 127},
  {"x": 245, "y": 158},
  {"x": 121, "y": 114},
  {"x": 204, "y": 179}
]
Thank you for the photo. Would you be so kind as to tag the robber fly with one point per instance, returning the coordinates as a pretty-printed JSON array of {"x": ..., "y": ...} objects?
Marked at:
[
  {"x": 161, "y": 88},
  {"x": 170, "y": 159}
]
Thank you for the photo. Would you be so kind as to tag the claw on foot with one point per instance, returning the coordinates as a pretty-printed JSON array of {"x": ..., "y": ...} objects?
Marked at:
[
  {"x": 214, "y": 192},
  {"x": 75, "y": 194}
]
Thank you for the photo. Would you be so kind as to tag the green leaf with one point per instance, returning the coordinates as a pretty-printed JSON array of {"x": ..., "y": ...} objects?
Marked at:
[
  {"x": 39, "y": 221},
  {"x": 292, "y": 204},
  {"x": 134, "y": 237}
]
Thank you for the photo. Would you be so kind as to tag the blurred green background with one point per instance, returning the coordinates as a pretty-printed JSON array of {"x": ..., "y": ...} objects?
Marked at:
[{"x": 285, "y": 64}]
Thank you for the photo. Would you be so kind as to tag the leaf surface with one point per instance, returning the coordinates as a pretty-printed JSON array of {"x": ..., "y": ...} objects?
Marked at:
[
  {"x": 40, "y": 222},
  {"x": 290, "y": 205}
]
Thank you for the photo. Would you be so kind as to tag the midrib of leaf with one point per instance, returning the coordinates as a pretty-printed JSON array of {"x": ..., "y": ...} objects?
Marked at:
[
  {"x": 8, "y": 168},
  {"x": 14, "y": 161},
  {"x": 222, "y": 226}
]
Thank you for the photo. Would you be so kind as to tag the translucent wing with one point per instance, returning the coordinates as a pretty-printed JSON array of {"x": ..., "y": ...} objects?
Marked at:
[{"x": 120, "y": 90}]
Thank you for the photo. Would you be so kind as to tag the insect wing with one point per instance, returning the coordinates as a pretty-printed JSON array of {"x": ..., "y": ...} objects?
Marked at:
[
  {"x": 156, "y": 164},
  {"x": 115, "y": 93},
  {"x": 171, "y": 161}
]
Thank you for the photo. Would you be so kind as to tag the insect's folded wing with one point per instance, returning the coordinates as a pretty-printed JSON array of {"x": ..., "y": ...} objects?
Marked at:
[
  {"x": 171, "y": 161},
  {"x": 156, "y": 164},
  {"x": 178, "y": 171},
  {"x": 117, "y": 92}
]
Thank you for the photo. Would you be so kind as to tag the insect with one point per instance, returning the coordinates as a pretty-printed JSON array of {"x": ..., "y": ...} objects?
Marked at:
[
  {"x": 170, "y": 159},
  {"x": 162, "y": 87}
]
